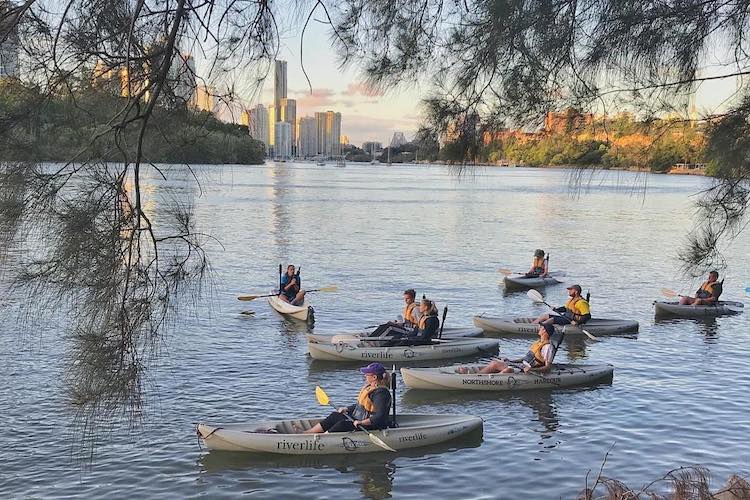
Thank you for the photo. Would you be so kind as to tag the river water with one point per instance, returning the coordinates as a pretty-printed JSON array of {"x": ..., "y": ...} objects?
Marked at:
[{"x": 678, "y": 396}]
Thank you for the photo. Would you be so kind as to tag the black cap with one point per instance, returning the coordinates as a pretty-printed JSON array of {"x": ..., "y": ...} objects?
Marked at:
[{"x": 575, "y": 287}]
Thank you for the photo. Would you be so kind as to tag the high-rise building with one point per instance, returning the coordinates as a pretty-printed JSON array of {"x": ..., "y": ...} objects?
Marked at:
[
  {"x": 398, "y": 140},
  {"x": 283, "y": 140},
  {"x": 182, "y": 78},
  {"x": 9, "y": 44},
  {"x": 279, "y": 85},
  {"x": 329, "y": 133},
  {"x": 271, "y": 126},
  {"x": 372, "y": 147},
  {"x": 204, "y": 98},
  {"x": 258, "y": 124},
  {"x": 288, "y": 114},
  {"x": 307, "y": 144}
]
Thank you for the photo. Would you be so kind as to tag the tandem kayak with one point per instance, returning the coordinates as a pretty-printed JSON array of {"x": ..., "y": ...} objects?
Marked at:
[
  {"x": 562, "y": 375},
  {"x": 521, "y": 282},
  {"x": 703, "y": 311},
  {"x": 282, "y": 436},
  {"x": 524, "y": 326},
  {"x": 305, "y": 312},
  {"x": 448, "y": 333},
  {"x": 374, "y": 351}
]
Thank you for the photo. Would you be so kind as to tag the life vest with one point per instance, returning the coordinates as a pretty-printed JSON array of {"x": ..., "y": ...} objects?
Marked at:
[
  {"x": 364, "y": 407},
  {"x": 534, "y": 356},
  {"x": 409, "y": 313},
  {"x": 538, "y": 265},
  {"x": 577, "y": 306},
  {"x": 291, "y": 292},
  {"x": 706, "y": 290}
]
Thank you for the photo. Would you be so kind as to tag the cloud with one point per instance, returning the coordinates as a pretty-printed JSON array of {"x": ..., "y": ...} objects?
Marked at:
[
  {"x": 363, "y": 89},
  {"x": 319, "y": 98},
  {"x": 361, "y": 128}
]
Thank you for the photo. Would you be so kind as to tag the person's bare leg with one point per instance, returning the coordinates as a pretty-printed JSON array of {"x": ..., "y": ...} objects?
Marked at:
[
  {"x": 300, "y": 297},
  {"x": 494, "y": 367},
  {"x": 315, "y": 429}
]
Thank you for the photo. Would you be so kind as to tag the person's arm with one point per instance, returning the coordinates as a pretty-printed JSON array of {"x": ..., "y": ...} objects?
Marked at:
[
  {"x": 382, "y": 401},
  {"x": 545, "y": 272},
  {"x": 547, "y": 354},
  {"x": 717, "y": 289},
  {"x": 350, "y": 409}
]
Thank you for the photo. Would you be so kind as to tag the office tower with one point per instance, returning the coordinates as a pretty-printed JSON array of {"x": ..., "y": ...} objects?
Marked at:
[
  {"x": 271, "y": 126},
  {"x": 320, "y": 127},
  {"x": 282, "y": 140},
  {"x": 204, "y": 98},
  {"x": 279, "y": 86},
  {"x": 333, "y": 133},
  {"x": 182, "y": 78},
  {"x": 288, "y": 114},
  {"x": 258, "y": 124},
  {"x": 308, "y": 137}
]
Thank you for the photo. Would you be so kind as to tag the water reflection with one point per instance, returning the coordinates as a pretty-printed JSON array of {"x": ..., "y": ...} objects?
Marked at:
[
  {"x": 373, "y": 472},
  {"x": 279, "y": 194},
  {"x": 707, "y": 327}
]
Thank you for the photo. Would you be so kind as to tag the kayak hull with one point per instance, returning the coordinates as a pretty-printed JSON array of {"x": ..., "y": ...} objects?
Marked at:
[
  {"x": 448, "y": 333},
  {"x": 519, "y": 282},
  {"x": 372, "y": 351},
  {"x": 561, "y": 376},
  {"x": 413, "y": 431},
  {"x": 674, "y": 309},
  {"x": 524, "y": 326},
  {"x": 305, "y": 312}
]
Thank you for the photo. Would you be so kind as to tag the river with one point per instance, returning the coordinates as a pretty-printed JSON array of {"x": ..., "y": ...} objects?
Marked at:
[{"x": 678, "y": 397}]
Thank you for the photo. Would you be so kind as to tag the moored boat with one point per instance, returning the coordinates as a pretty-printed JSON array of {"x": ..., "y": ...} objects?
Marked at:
[
  {"x": 448, "y": 333},
  {"x": 304, "y": 312},
  {"x": 283, "y": 436},
  {"x": 524, "y": 326},
  {"x": 373, "y": 350},
  {"x": 562, "y": 375},
  {"x": 521, "y": 282},
  {"x": 722, "y": 308}
]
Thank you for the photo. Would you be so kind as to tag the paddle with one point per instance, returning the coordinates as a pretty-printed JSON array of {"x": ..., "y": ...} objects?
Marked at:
[
  {"x": 253, "y": 297},
  {"x": 506, "y": 272},
  {"x": 442, "y": 323},
  {"x": 670, "y": 293},
  {"x": 538, "y": 297},
  {"x": 323, "y": 399}
]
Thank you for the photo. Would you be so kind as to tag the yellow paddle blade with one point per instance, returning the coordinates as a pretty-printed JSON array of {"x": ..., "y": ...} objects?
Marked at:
[
  {"x": 321, "y": 395},
  {"x": 247, "y": 297},
  {"x": 327, "y": 289},
  {"x": 668, "y": 293},
  {"x": 505, "y": 271}
]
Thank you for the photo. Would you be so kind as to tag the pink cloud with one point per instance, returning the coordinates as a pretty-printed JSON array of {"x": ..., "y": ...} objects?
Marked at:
[
  {"x": 319, "y": 98},
  {"x": 362, "y": 88}
]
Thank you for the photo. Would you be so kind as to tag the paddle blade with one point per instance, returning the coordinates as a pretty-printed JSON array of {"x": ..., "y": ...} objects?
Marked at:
[
  {"x": 505, "y": 271},
  {"x": 321, "y": 395},
  {"x": 668, "y": 293},
  {"x": 327, "y": 289},
  {"x": 247, "y": 297},
  {"x": 535, "y": 296},
  {"x": 379, "y": 442},
  {"x": 589, "y": 335}
]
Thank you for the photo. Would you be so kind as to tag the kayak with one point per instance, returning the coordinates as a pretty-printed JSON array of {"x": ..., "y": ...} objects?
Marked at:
[
  {"x": 520, "y": 281},
  {"x": 562, "y": 375},
  {"x": 280, "y": 436},
  {"x": 305, "y": 312},
  {"x": 702, "y": 311},
  {"x": 523, "y": 326},
  {"x": 375, "y": 351},
  {"x": 448, "y": 333}
]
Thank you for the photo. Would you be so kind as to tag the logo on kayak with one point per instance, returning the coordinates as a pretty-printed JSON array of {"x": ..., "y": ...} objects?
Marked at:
[
  {"x": 408, "y": 353},
  {"x": 352, "y": 444},
  {"x": 312, "y": 445},
  {"x": 414, "y": 437},
  {"x": 377, "y": 355},
  {"x": 547, "y": 380},
  {"x": 481, "y": 381}
]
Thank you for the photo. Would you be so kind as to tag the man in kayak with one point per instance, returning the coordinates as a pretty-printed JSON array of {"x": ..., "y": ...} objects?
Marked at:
[
  {"x": 539, "y": 267},
  {"x": 538, "y": 359},
  {"x": 427, "y": 327},
  {"x": 576, "y": 310},
  {"x": 707, "y": 294},
  {"x": 371, "y": 409},
  {"x": 410, "y": 317},
  {"x": 291, "y": 287}
]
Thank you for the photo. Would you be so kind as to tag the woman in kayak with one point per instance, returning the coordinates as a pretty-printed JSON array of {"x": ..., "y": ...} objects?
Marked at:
[
  {"x": 707, "y": 294},
  {"x": 291, "y": 290},
  {"x": 371, "y": 409},
  {"x": 539, "y": 266},
  {"x": 427, "y": 327},
  {"x": 538, "y": 359}
]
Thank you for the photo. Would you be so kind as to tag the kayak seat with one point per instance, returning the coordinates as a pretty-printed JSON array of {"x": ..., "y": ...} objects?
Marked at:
[
  {"x": 523, "y": 320},
  {"x": 555, "y": 340},
  {"x": 294, "y": 426}
]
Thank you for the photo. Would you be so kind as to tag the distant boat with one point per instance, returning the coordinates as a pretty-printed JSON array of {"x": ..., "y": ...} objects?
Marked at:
[{"x": 321, "y": 163}]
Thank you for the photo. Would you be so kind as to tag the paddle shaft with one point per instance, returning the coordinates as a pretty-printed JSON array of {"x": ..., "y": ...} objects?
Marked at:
[
  {"x": 361, "y": 427},
  {"x": 442, "y": 323},
  {"x": 589, "y": 335}
]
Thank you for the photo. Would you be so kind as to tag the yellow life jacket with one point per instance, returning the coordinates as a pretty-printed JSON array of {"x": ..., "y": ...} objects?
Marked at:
[
  {"x": 536, "y": 349},
  {"x": 538, "y": 263},
  {"x": 364, "y": 398},
  {"x": 409, "y": 313},
  {"x": 577, "y": 306},
  {"x": 708, "y": 288}
]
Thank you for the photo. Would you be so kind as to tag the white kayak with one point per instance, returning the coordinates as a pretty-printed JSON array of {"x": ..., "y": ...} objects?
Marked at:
[
  {"x": 520, "y": 281},
  {"x": 702, "y": 311},
  {"x": 282, "y": 436},
  {"x": 371, "y": 350},
  {"x": 305, "y": 312},
  {"x": 524, "y": 326},
  {"x": 446, "y": 378},
  {"x": 448, "y": 333}
]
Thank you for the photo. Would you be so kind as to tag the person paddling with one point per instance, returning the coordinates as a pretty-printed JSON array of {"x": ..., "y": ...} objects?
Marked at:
[
  {"x": 371, "y": 409},
  {"x": 539, "y": 266},
  {"x": 291, "y": 287},
  {"x": 410, "y": 318},
  {"x": 707, "y": 294},
  {"x": 427, "y": 328},
  {"x": 576, "y": 310},
  {"x": 538, "y": 359}
]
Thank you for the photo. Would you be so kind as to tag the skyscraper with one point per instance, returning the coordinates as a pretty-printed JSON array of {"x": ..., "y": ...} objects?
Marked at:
[
  {"x": 308, "y": 137},
  {"x": 258, "y": 124},
  {"x": 288, "y": 114},
  {"x": 329, "y": 133},
  {"x": 279, "y": 86},
  {"x": 271, "y": 126},
  {"x": 282, "y": 140},
  {"x": 182, "y": 78}
]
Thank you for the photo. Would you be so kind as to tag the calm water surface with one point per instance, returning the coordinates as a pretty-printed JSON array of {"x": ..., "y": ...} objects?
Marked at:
[{"x": 678, "y": 395}]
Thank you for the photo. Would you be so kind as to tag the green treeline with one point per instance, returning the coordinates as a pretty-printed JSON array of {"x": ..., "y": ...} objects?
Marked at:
[{"x": 79, "y": 126}]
